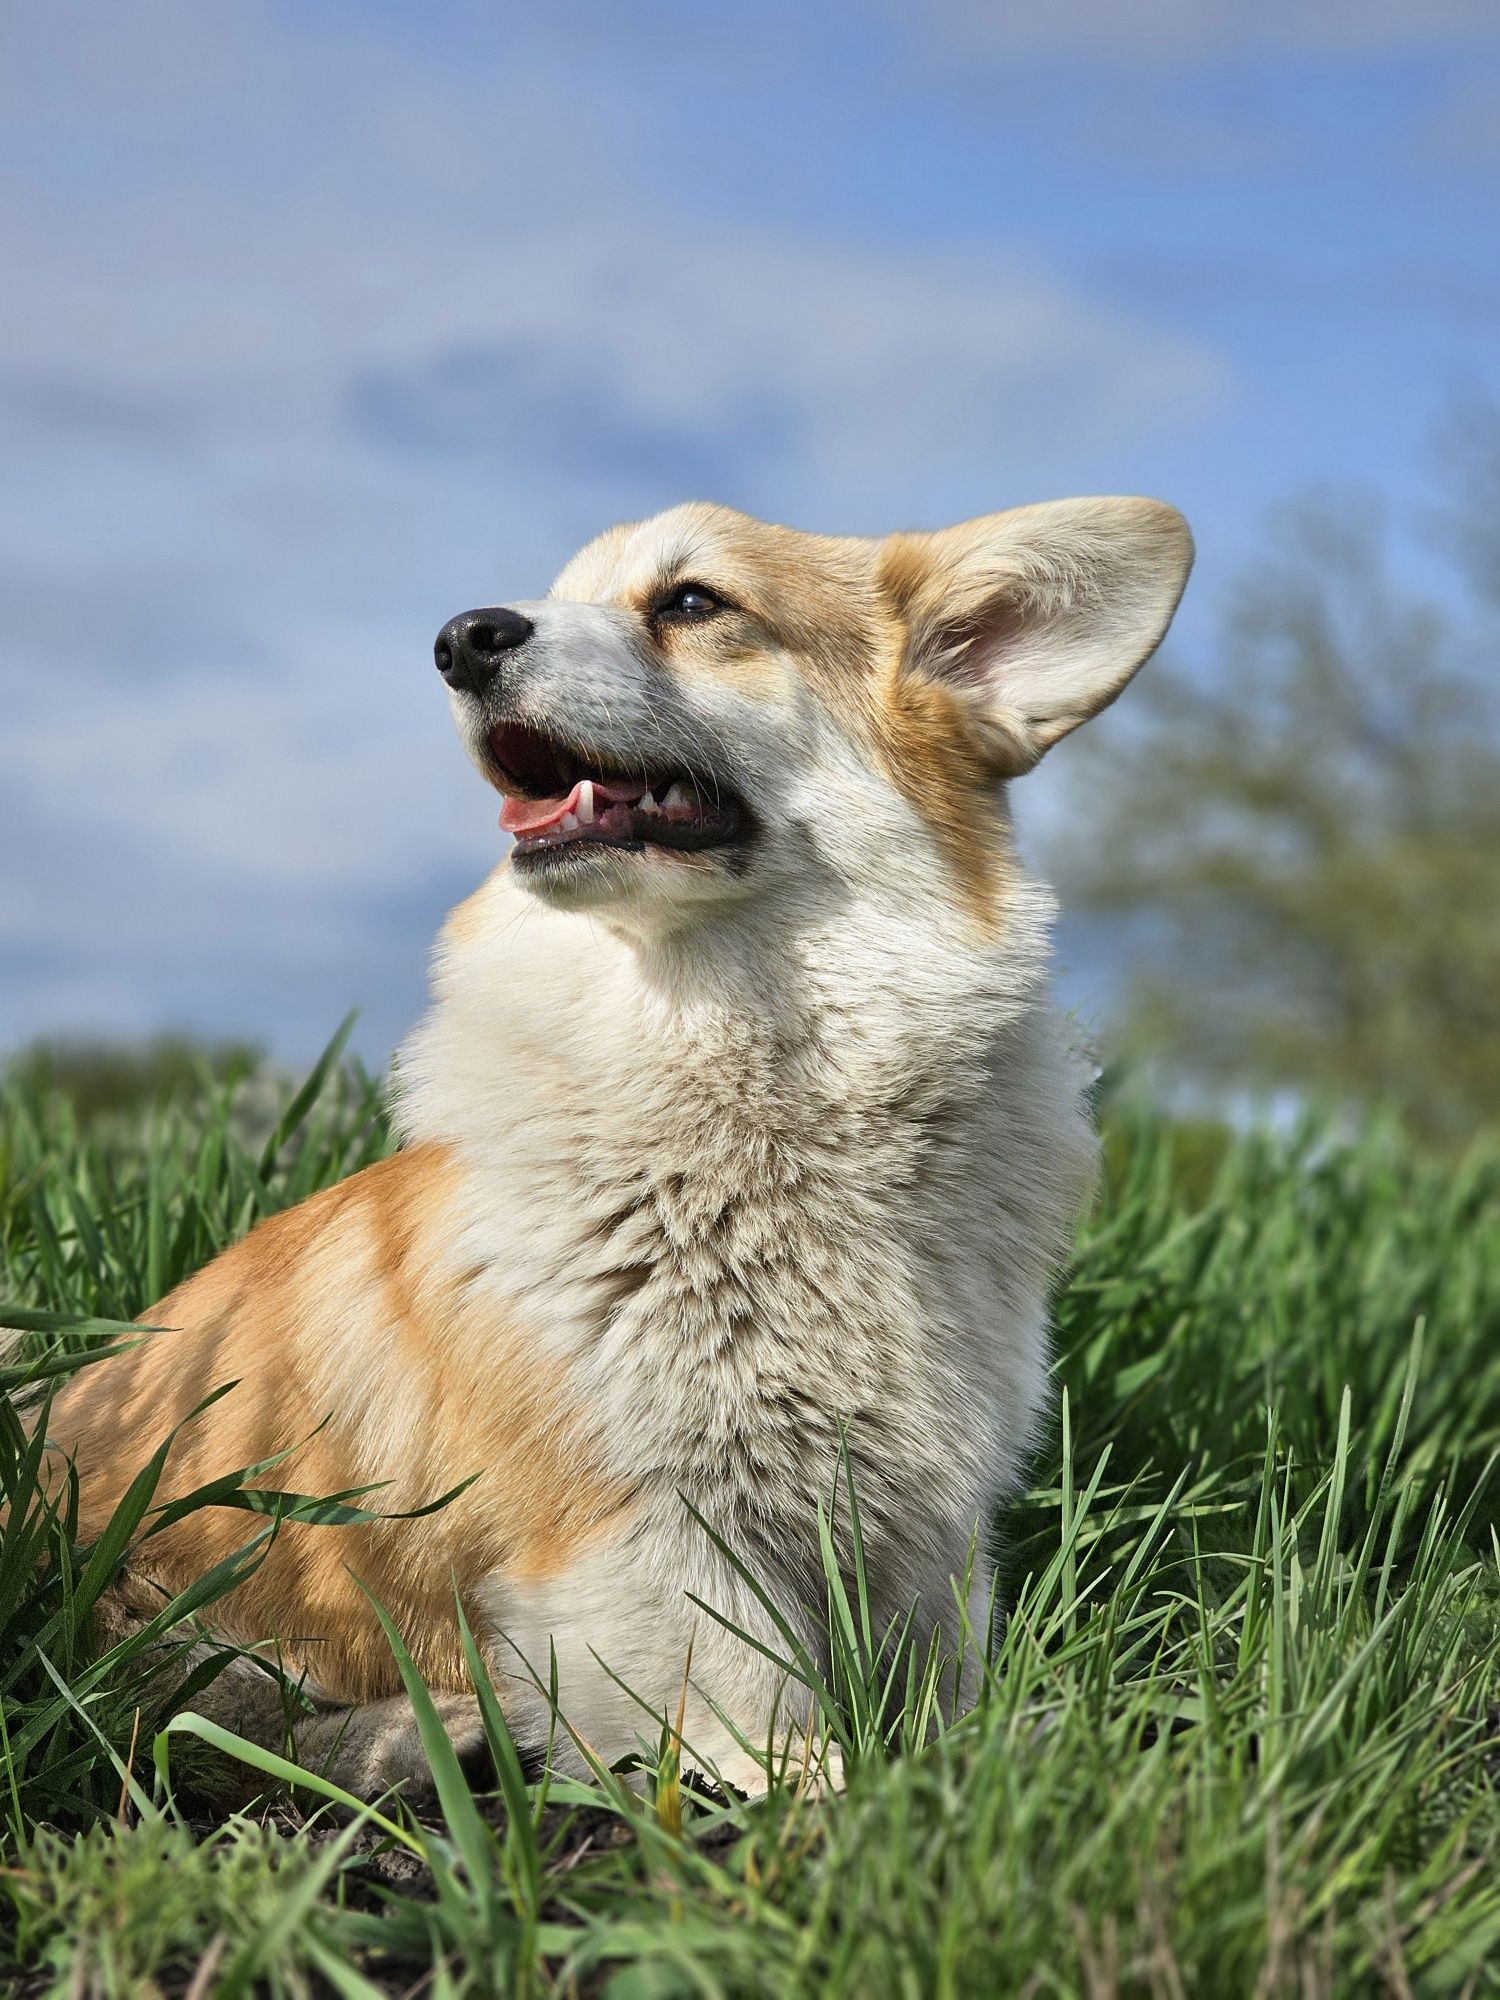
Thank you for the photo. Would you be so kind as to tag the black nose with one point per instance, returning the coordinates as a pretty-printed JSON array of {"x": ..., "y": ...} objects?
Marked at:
[{"x": 471, "y": 646}]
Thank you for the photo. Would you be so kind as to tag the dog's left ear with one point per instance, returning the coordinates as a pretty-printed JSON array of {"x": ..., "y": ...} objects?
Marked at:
[{"x": 1038, "y": 617}]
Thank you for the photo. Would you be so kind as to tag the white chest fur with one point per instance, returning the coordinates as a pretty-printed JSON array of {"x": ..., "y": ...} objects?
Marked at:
[{"x": 755, "y": 1187}]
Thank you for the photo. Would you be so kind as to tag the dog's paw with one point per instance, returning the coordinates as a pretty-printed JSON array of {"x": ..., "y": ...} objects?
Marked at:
[
  {"x": 810, "y": 1771},
  {"x": 377, "y": 1749}
]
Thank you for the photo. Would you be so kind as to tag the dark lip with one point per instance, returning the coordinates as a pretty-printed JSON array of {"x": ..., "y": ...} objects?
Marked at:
[
  {"x": 527, "y": 762},
  {"x": 724, "y": 829},
  {"x": 672, "y": 840}
]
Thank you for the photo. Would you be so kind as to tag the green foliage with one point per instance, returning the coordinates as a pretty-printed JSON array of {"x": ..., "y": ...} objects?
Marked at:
[
  {"x": 128, "y": 1902},
  {"x": 1238, "y": 1736},
  {"x": 1303, "y": 843},
  {"x": 104, "y": 1218}
]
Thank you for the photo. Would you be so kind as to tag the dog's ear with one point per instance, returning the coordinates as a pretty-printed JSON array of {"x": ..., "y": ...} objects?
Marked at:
[{"x": 1038, "y": 617}]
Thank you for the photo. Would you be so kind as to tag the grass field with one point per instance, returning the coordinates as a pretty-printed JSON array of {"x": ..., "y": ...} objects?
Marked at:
[{"x": 1240, "y": 1737}]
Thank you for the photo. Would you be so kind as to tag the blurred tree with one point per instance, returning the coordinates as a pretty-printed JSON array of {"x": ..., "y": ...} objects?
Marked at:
[
  {"x": 101, "y": 1078},
  {"x": 1304, "y": 847}
]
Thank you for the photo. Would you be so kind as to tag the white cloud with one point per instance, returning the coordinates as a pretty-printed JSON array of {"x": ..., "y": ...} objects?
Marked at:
[{"x": 242, "y": 334}]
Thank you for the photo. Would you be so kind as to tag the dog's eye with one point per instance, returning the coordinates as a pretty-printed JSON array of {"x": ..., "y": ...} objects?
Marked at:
[{"x": 688, "y": 603}]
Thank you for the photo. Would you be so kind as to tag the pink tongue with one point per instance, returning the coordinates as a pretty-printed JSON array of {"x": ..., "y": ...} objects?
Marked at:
[{"x": 535, "y": 815}]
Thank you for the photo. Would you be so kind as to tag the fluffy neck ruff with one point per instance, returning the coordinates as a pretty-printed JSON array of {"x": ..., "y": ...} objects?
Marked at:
[
  {"x": 770, "y": 1010},
  {"x": 757, "y": 1179}
]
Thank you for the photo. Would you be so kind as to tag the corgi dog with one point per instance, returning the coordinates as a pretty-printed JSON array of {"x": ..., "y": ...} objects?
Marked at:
[{"x": 741, "y": 1141}]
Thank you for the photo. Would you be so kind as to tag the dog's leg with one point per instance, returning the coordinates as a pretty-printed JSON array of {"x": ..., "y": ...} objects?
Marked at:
[{"x": 365, "y": 1748}]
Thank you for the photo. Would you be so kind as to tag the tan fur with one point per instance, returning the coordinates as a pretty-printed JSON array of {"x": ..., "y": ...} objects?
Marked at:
[
  {"x": 260, "y": 1314},
  {"x": 929, "y": 746}
]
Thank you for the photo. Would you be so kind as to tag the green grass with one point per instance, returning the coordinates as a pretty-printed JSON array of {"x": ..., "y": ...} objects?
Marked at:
[{"x": 1240, "y": 1736}]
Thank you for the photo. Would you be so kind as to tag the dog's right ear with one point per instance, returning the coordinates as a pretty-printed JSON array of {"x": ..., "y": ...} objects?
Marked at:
[{"x": 1038, "y": 617}]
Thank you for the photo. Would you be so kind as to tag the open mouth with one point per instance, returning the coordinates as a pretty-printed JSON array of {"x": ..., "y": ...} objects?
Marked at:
[{"x": 558, "y": 797}]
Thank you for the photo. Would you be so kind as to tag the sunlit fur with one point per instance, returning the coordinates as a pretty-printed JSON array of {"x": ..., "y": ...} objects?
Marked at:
[{"x": 706, "y": 1155}]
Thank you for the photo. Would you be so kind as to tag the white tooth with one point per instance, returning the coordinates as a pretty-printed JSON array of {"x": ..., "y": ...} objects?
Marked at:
[
  {"x": 646, "y": 804},
  {"x": 586, "y": 802},
  {"x": 675, "y": 797},
  {"x": 568, "y": 823}
]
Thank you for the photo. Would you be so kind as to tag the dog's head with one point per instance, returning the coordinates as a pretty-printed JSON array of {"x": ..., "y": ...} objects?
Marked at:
[{"x": 704, "y": 706}]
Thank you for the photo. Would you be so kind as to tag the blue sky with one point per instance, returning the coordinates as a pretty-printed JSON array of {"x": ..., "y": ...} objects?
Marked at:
[{"x": 325, "y": 321}]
